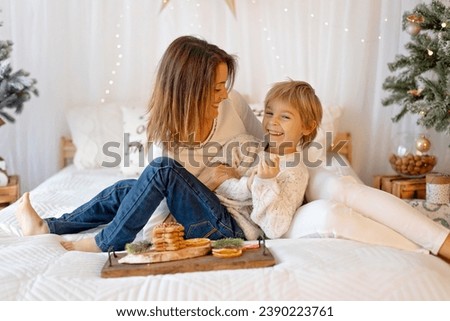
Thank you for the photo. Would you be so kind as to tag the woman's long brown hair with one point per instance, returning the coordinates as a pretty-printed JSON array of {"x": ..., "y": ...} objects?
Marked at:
[{"x": 183, "y": 89}]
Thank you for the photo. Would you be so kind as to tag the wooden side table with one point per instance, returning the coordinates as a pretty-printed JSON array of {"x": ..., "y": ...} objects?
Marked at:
[
  {"x": 402, "y": 187},
  {"x": 10, "y": 193}
]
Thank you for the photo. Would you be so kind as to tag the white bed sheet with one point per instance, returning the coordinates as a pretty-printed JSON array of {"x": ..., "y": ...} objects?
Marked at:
[{"x": 38, "y": 268}]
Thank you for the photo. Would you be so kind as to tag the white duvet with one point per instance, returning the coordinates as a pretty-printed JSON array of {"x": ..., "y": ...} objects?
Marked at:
[{"x": 38, "y": 268}]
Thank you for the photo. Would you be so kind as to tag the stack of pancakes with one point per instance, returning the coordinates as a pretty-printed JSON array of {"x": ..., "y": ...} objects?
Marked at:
[{"x": 168, "y": 237}]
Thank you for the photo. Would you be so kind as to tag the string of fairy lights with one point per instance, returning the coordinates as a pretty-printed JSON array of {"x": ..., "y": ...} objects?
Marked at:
[
  {"x": 196, "y": 26},
  {"x": 118, "y": 54}
]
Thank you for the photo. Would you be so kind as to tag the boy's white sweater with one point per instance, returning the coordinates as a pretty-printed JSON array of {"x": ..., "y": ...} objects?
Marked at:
[{"x": 268, "y": 205}]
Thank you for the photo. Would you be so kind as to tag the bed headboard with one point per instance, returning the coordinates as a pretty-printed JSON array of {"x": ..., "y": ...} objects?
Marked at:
[
  {"x": 66, "y": 152},
  {"x": 343, "y": 140}
]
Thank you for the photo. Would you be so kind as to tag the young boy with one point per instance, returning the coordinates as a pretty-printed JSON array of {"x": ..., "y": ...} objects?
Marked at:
[{"x": 274, "y": 178}]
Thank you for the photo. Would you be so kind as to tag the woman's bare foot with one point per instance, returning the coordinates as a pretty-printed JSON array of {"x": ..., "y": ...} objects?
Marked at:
[
  {"x": 84, "y": 245},
  {"x": 29, "y": 220}
]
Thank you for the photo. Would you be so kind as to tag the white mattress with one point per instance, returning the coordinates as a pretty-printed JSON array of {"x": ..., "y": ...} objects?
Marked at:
[{"x": 38, "y": 268}]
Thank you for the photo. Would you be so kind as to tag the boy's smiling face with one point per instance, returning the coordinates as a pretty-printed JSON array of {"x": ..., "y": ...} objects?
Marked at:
[{"x": 283, "y": 127}]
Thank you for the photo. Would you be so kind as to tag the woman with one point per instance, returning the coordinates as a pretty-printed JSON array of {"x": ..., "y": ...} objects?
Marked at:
[{"x": 190, "y": 117}]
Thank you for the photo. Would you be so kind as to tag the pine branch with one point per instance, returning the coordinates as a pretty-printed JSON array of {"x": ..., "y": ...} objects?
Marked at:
[
  {"x": 400, "y": 115},
  {"x": 15, "y": 87},
  {"x": 421, "y": 80},
  {"x": 4, "y": 115}
]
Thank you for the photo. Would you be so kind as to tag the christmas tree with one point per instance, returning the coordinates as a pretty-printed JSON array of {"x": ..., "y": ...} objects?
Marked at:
[
  {"x": 15, "y": 87},
  {"x": 421, "y": 80}
]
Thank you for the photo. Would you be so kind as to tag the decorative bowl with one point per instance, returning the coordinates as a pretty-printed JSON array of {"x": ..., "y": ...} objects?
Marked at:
[{"x": 411, "y": 156}]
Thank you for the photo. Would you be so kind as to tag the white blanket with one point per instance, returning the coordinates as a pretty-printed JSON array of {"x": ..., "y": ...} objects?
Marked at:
[{"x": 38, "y": 267}]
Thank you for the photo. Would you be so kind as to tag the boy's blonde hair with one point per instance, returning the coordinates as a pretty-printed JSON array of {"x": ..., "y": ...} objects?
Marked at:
[
  {"x": 183, "y": 89},
  {"x": 301, "y": 96}
]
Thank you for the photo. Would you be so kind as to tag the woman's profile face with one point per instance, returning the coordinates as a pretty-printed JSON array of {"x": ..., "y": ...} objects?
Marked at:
[{"x": 219, "y": 90}]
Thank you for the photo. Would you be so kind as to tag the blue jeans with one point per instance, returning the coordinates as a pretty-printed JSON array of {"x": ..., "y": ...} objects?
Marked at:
[{"x": 127, "y": 205}]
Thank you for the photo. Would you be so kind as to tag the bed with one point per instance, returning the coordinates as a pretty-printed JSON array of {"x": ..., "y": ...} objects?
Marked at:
[{"x": 328, "y": 264}]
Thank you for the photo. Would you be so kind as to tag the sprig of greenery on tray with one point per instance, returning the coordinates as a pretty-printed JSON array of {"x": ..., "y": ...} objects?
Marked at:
[
  {"x": 138, "y": 247},
  {"x": 228, "y": 243}
]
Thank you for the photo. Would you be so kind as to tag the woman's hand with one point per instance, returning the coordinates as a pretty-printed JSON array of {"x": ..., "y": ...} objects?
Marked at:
[
  {"x": 268, "y": 167},
  {"x": 213, "y": 176}
]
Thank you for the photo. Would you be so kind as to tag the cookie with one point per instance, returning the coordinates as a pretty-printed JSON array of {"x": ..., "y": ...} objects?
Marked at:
[
  {"x": 168, "y": 235},
  {"x": 170, "y": 227},
  {"x": 168, "y": 247}
]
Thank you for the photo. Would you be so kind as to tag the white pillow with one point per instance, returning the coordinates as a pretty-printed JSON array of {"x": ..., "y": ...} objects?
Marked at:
[
  {"x": 137, "y": 152},
  {"x": 330, "y": 124},
  {"x": 91, "y": 128},
  {"x": 329, "y": 219}
]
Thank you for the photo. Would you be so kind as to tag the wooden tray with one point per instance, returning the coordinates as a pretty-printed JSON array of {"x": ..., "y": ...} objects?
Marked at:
[{"x": 252, "y": 258}]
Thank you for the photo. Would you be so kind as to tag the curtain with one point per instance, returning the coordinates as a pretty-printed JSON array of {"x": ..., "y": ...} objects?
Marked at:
[{"x": 89, "y": 52}]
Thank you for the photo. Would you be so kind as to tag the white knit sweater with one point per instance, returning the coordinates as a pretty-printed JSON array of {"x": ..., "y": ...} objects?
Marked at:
[{"x": 268, "y": 205}]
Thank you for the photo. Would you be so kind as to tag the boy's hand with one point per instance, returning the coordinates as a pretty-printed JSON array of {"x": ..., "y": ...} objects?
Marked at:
[{"x": 269, "y": 167}]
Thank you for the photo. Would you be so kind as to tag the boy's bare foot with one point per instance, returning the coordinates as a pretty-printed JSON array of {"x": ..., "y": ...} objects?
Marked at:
[
  {"x": 84, "y": 245},
  {"x": 29, "y": 220}
]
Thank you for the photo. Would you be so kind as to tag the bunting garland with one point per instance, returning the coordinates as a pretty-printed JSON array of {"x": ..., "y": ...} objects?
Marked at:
[{"x": 230, "y": 3}]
